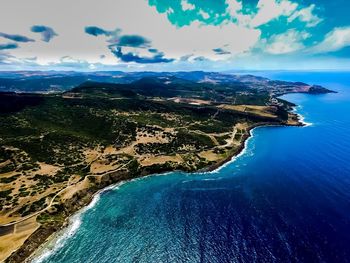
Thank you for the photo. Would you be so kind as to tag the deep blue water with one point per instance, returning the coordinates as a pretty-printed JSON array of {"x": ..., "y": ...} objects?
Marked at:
[{"x": 286, "y": 199}]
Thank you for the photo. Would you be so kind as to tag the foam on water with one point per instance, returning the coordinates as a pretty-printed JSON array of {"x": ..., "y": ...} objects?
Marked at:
[
  {"x": 235, "y": 158},
  {"x": 297, "y": 110},
  {"x": 60, "y": 238}
]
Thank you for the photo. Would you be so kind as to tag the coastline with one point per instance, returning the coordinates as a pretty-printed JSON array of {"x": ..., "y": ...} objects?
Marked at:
[
  {"x": 241, "y": 150},
  {"x": 67, "y": 230},
  {"x": 301, "y": 117},
  {"x": 33, "y": 249}
]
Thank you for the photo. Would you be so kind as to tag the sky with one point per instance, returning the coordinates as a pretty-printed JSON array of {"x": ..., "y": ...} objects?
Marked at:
[{"x": 172, "y": 35}]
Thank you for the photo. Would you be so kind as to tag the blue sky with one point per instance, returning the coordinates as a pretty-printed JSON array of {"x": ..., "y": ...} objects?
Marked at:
[{"x": 174, "y": 34}]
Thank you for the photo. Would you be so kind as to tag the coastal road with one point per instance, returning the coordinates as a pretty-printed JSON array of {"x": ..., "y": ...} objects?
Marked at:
[{"x": 58, "y": 193}]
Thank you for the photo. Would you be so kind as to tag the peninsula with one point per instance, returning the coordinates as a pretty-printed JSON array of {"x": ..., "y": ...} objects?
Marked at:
[{"x": 66, "y": 135}]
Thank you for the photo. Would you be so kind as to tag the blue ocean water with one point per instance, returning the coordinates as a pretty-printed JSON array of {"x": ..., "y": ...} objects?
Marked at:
[{"x": 285, "y": 199}]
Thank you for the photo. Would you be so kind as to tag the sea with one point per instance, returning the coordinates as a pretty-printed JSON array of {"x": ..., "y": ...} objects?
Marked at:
[{"x": 285, "y": 198}]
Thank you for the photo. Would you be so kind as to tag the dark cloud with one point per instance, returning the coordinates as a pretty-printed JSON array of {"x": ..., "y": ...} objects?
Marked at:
[
  {"x": 8, "y": 46},
  {"x": 17, "y": 38},
  {"x": 133, "y": 41},
  {"x": 186, "y": 57},
  {"x": 116, "y": 40},
  {"x": 220, "y": 51},
  {"x": 47, "y": 33},
  {"x": 153, "y": 50},
  {"x": 130, "y": 57},
  {"x": 200, "y": 59},
  {"x": 97, "y": 31}
]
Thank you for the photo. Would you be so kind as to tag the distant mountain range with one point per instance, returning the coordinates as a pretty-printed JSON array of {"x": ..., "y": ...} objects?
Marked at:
[{"x": 58, "y": 82}]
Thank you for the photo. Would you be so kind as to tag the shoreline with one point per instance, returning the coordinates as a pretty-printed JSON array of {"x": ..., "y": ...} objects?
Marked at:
[
  {"x": 73, "y": 222},
  {"x": 301, "y": 117},
  {"x": 58, "y": 231},
  {"x": 68, "y": 230}
]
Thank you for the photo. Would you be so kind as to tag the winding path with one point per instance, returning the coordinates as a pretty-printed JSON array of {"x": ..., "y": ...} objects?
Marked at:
[{"x": 58, "y": 193}]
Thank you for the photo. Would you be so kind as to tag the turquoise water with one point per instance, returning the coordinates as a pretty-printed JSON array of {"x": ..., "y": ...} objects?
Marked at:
[{"x": 285, "y": 199}]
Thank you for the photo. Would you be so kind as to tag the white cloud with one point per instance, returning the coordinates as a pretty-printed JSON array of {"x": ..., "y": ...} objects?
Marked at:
[
  {"x": 234, "y": 7},
  {"x": 187, "y": 6},
  {"x": 204, "y": 14},
  {"x": 335, "y": 40},
  {"x": 269, "y": 10},
  {"x": 287, "y": 42},
  {"x": 272, "y": 9},
  {"x": 306, "y": 15}
]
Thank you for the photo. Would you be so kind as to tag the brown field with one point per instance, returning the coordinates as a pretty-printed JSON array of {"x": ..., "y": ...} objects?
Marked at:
[
  {"x": 11, "y": 241},
  {"x": 265, "y": 111}
]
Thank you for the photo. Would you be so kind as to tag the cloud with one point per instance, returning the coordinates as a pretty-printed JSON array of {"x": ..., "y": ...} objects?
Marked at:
[
  {"x": 200, "y": 59},
  {"x": 4, "y": 58},
  {"x": 185, "y": 57},
  {"x": 335, "y": 40},
  {"x": 186, "y": 6},
  {"x": 288, "y": 42},
  {"x": 13, "y": 63},
  {"x": 113, "y": 35},
  {"x": 269, "y": 10},
  {"x": 17, "y": 38},
  {"x": 130, "y": 41},
  {"x": 307, "y": 16},
  {"x": 204, "y": 14},
  {"x": 131, "y": 57},
  {"x": 97, "y": 31},
  {"x": 8, "y": 46},
  {"x": 47, "y": 33},
  {"x": 220, "y": 51},
  {"x": 133, "y": 41},
  {"x": 69, "y": 62},
  {"x": 153, "y": 50}
]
